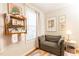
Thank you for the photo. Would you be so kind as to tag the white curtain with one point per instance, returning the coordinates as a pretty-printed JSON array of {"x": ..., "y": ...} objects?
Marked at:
[{"x": 31, "y": 24}]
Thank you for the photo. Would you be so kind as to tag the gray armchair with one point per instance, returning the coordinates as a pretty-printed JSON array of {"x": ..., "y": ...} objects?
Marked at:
[{"x": 52, "y": 44}]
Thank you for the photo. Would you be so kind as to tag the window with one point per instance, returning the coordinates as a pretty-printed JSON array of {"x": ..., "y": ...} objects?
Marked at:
[{"x": 31, "y": 24}]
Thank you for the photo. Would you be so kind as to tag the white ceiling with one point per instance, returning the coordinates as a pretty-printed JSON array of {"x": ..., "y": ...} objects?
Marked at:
[{"x": 48, "y": 7}]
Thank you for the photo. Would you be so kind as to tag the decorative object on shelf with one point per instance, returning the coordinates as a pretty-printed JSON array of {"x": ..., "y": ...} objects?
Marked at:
[
  {"x": 13, "y": 8},
  {"x": 52, "y": 24}
]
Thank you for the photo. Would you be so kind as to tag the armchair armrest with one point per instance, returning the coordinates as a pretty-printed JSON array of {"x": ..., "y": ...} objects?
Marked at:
[
  {"x": 61, "y": 45},
  {"x": 61, "y": 42},
  {"x": 41, "y": 39}
]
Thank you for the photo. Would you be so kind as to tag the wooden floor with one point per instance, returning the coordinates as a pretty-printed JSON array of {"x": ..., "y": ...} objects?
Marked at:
[{"x": 39, "y": 52}]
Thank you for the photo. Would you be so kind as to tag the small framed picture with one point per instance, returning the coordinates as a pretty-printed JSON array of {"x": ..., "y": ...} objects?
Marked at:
[
  {"x": 62, "y": 19},
  {"x": 52, "y": 24},
  {"x": 62, "y": 22}
]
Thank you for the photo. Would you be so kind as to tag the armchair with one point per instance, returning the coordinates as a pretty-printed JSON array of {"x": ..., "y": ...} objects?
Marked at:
[{"x": 52, "y": 44}]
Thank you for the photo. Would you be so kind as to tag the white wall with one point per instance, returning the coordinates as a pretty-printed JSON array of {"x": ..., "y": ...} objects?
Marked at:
[
  {"x": 3, "y": 9},
  {"x": 72, "y": 20}
]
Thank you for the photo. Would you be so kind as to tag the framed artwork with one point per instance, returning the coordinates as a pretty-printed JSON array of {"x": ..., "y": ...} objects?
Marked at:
[
  {"x": 62, "y": 22},
  {"x": 52, "y": 24},
  {"x": 14, "y": 8}
]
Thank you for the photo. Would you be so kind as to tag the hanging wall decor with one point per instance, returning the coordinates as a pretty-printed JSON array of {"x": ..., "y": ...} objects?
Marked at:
[
  {"x": 52, "y": 24},
  {"x": 62, "y": 25},
  {"x": 62, "y": 22}
]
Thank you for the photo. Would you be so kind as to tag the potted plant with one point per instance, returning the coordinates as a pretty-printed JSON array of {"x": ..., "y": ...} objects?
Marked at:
[{"x": 15, "y": 10}]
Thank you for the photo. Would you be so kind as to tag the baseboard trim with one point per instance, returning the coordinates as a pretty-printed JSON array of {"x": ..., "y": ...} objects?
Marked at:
[{"x": 29, "y": 52}]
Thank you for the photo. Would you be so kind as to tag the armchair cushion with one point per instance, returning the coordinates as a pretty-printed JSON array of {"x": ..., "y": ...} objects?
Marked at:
[
  {"x": 50, "y": 44},
  {"x": 52, "y": 38}
]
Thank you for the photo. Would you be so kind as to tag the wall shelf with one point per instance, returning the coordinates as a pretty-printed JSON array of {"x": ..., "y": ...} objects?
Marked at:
[{"x": 14, "y": 24}]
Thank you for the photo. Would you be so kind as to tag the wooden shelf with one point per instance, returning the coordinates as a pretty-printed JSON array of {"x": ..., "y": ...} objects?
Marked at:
[
  {"x": 17, "y": 26},
  {"x": 18, "y": 17},
  {"x": 13, "y": 25},
  {"x": 17, "y": 33}
]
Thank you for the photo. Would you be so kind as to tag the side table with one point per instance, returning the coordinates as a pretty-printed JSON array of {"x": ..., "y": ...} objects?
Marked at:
[{"x": 71, "y": 46}]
